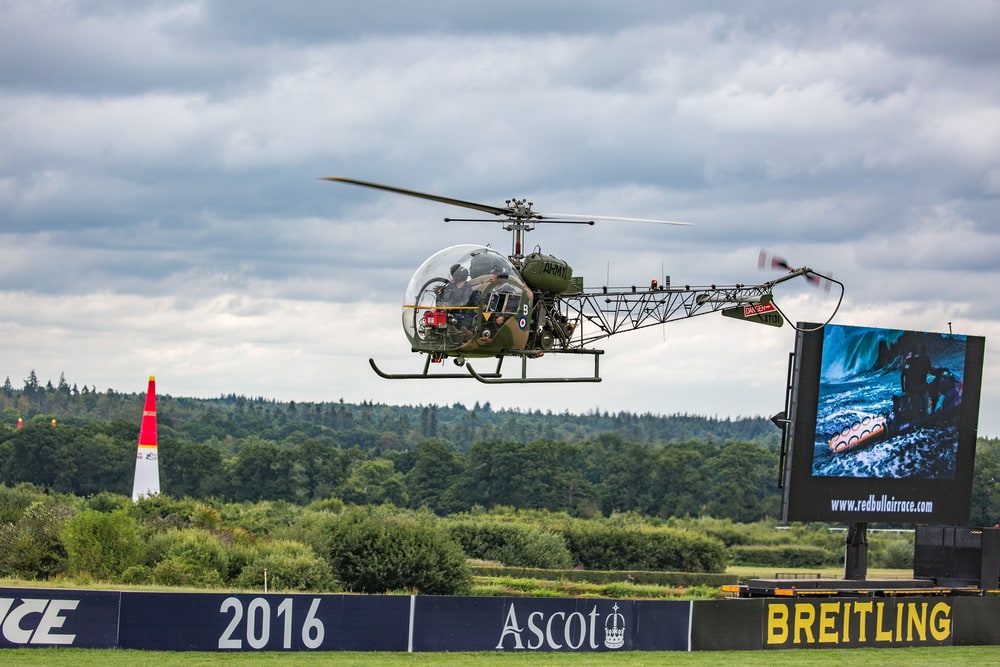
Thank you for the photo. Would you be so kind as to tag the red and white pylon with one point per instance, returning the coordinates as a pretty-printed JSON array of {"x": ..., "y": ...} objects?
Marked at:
[{"x": 147, "y": 467}]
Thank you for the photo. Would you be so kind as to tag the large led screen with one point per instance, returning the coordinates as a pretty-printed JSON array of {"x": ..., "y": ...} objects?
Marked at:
[{"x": 882, "y": 425}]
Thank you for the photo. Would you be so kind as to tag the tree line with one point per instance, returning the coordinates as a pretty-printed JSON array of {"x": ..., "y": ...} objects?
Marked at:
[
  {"x": 445, "y": 459},
  {"x": 369, "y": 425},
  {"x": 599, "y": 477}
]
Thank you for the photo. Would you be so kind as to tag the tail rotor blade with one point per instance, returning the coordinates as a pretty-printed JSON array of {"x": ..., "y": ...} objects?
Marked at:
[{"x": 766, "y": 259}]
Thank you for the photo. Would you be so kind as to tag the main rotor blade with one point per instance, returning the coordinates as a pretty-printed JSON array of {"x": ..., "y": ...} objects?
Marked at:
[
  {"x": 485, "y": 208},
  {"x": 612, "y": 217}
]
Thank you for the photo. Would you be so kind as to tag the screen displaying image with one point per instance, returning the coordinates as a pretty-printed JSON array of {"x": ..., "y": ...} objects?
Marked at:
[
  {"x": 882, "y": 425},
  {"x": 889, "y": 403}
]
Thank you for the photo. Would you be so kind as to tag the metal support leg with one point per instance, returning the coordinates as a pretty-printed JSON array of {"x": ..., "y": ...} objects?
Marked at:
[{"x": 856, "y": 553}]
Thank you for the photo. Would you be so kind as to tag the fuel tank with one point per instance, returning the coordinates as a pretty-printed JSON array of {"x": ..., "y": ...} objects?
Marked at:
[{"x": 548, "y": 274}]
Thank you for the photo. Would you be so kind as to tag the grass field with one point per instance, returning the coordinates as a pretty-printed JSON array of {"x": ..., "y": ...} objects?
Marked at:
[{"x": 912, "y": 657}]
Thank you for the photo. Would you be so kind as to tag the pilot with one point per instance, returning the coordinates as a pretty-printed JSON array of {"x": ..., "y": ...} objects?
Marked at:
[{"x": 458, "y": 291}]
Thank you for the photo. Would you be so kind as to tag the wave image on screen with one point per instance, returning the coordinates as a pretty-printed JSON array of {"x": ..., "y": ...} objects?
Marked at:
[{"x": 889, "y": 404}]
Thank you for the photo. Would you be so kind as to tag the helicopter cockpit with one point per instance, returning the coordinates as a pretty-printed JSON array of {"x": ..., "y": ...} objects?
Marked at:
[{"x": 467, "y": 300}]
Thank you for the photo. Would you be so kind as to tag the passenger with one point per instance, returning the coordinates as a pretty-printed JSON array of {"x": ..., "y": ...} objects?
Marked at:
[{"x": 480, "y": 282}]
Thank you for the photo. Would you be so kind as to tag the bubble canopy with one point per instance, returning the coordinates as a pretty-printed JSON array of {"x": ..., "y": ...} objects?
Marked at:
[{"x": 425, "y": 288}]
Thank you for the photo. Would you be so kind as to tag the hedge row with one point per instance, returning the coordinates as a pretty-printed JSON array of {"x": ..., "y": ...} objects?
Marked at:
[
  {"x": 605, "y": 546},
  {"x": 513, "y": 544},
  {"x": 784, "y": 555},
  {"x": 591, "y": 545},
  {"x": 638, "y": 577}
]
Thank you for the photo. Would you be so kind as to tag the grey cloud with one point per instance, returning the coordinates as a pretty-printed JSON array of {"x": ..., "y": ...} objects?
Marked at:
[{"x": 170, "y": 153}]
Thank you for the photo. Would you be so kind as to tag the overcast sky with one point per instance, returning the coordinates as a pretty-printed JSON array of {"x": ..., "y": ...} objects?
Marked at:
[{"x": 160, "y": 211}]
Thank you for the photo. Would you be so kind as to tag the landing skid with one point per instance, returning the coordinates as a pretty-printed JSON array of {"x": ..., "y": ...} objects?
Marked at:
[
  {"x": 495, "y": 377},
  {"x": 532, "y": 354},
  {"x": 427, "y": 375}
]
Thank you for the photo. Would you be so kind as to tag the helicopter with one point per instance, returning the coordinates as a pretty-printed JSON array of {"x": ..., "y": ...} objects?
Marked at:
[{"x": 471, "y": 301}]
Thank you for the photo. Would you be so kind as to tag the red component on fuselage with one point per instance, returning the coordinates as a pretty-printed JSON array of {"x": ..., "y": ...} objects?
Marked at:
[{"x": 436, "y": 318}]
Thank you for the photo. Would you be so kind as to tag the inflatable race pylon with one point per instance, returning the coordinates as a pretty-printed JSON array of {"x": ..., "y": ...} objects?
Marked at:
[{"x": 147, "y": 468}]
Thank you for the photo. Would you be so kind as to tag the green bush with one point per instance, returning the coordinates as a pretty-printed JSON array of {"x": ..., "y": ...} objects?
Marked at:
[
  {"x": 259, "y": 518},
  {"x": 102, "y": 545},
  {"x": 15, "y": 500},
  {"x": 726, "y": 531},
  {"x": 381, "y": 549},
  {"x": 33, "y": 547},
  {"x": 514, "y": 545},
  {"x": 291, "y": 566},
  {"x": 161, "y": 513},
  {"x": 106, "y": 501},
  {"x": 898, "y": 554},
  {"x": 207, "y": 517},
  {"x": 312, "y": 528},
  {"x": 137, "y": 574},
  {"x": 203, "y": 551},
  {"x": 732, "y": 533},
  {"x": 334, "y": 505},
  {"x": 608, "y": 546},
  {"x": 177, "y": 571}
]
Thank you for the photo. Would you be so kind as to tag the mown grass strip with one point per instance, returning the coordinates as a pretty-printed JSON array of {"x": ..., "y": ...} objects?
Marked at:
[{"x": 912, "y": 657}]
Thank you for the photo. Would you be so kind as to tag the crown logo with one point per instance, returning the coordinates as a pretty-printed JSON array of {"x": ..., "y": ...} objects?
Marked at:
[{"x": 614, "y": 629}]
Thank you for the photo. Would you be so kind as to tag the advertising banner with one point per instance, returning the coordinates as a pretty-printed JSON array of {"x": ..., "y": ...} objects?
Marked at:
[
  {"x": 219, "y": 622},
  {"x": 55, "y": 617},
  {"x": 541, "y": 624},
  {"x": 858, "y": 622},
  {"x": 298, "y": 622}
]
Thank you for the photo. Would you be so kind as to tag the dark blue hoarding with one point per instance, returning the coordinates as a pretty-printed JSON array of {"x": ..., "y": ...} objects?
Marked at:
[
  {"x": 39, "y": 617},
  {"x": 542, "y": 624},
  {"x": 219, "y": 622},
  {"x": 662, "y": 625},
  {"x": 52, "y": 617}
]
